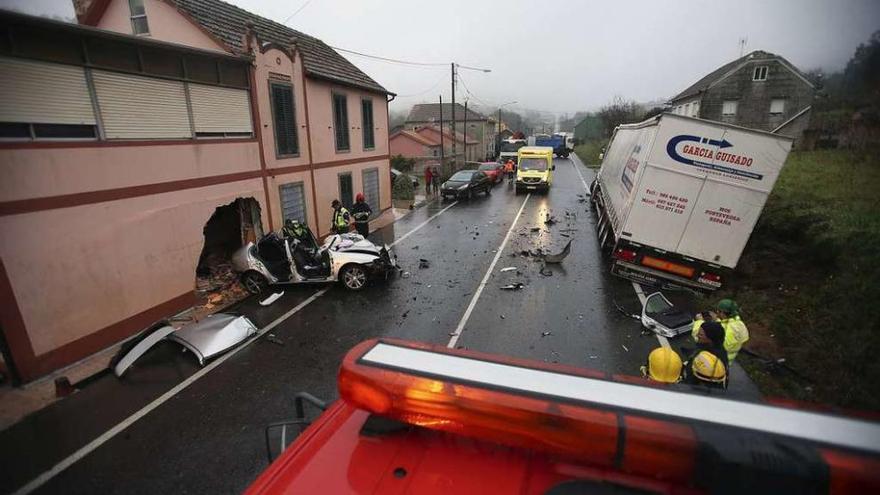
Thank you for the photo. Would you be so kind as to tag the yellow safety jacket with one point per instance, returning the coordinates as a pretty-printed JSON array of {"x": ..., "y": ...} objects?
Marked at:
[
  {"x": 735, "y": 335},
  {"x": 340, "y": 220}
]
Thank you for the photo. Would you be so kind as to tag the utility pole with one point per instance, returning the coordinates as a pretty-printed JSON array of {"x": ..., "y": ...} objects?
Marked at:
[
  {"x": 453, "y": 112},
  {"x": 442, "y": 164},
  {"x": 465, "y": 131}
]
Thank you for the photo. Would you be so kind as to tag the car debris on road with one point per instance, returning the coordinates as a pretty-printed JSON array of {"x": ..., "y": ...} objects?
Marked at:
[
  {"x": 557, "y": 258},
  {"x": 516, "y": 286},
  {"x": 269, "y": 300}
]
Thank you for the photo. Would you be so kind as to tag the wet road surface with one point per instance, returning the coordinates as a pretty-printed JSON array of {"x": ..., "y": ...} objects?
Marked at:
[{"x": 208, "y": 438}]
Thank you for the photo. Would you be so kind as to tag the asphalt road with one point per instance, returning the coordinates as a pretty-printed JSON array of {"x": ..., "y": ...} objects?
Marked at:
[{"x": 208, "y": 437}]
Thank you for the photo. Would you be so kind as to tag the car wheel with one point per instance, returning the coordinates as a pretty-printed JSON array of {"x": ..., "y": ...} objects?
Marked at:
[
  {"x": 254, "y": 282},
  {"x": 353, "y": 277}
]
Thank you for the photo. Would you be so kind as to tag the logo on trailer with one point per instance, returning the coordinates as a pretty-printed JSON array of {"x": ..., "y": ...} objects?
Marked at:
[{"x": 709, "y": 149}]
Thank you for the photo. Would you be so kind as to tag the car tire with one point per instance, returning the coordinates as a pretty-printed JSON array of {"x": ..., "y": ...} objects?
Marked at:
[
  {"x": 254, "y": 282},
  {"x": 353, "y": 277}
]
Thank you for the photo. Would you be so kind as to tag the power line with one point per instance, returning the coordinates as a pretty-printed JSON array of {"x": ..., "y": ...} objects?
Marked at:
[
  {"x": 442, "y": 78},
  {"x": 297, "y": 11},
  {"x": 392, "y": 60}
]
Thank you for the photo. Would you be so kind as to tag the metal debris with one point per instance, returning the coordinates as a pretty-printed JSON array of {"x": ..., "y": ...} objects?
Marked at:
[
  {"x": 557, "y": 258},
  {"x": 273, "y": 339},
  {"x": 508, "y": 269},
  {"x": 624, "y": 348},
  {"x": 423, "y": 263},
  {"x": 269, "y": 300},
  {"x": 516, "y": 286},
  {"x": 545, "y": 334}
]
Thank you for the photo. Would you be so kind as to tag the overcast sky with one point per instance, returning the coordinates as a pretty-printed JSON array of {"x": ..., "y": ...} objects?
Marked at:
[{"x": 565, "y": 56}]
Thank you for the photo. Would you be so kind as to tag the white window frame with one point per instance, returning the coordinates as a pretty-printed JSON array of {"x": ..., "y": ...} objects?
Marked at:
[
  {"x": 724, "y": 107},
  {"x": 760, "y": 73},
  {"x": 781, "y": 103}
]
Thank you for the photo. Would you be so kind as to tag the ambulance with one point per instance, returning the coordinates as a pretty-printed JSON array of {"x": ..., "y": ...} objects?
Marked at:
[{"x": 534, "y": 168}]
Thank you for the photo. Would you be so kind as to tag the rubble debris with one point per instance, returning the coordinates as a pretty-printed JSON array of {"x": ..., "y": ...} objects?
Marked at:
[
  {"x": 550, "y": 220},
  {"x": 423, "y": 263},
  {"x": 535, "y": 229},
  {"x": 508, "y": 269},
  {"x": 275, "y": 340},
  {"x": 516, "y": 286},
  {"x": 405, "y": 274},
  {"x": 545, "y": 271},
  {"x": 502, "y": 316},
  {"x": 565, "y": 235},
  {"x": 405, "y": 313},
  {"x": 557, "y": 258},
  {"x": 547, "y": 333},
  {"x": 269, "y": 300},
  {"x": 215, "y": 298},
  {"x": 415, "y": 247}
]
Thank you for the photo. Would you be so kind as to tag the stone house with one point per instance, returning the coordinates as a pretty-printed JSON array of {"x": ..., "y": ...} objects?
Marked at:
[{"x": 760, "y": 91}]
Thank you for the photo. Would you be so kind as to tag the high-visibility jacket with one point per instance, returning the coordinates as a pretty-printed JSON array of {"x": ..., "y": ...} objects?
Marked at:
[
  {"x": 735, "y": 334},
  {"x": 340, "y": 219}
]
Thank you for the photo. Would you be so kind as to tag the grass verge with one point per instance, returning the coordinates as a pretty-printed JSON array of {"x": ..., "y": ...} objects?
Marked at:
[
  {"x": 808, "y": 282},
  {"x": 589, "y": 152}
]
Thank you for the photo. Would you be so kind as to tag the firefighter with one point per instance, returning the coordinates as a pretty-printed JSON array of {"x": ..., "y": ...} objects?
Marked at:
[
  {"x": 664, "y": 365},
  {"x": 341, "y": 218},
  {"x": 361, "y": 212},
  {"x": 735, "y": 332},
  {"x": 708, "y": 363}
]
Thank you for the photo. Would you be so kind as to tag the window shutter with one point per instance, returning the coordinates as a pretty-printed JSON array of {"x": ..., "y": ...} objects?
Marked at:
[
  {"x": 293, "y": 202},
  {"x": 44, "y": 93},
  {"x": 368, "y": 126},
  {"x": 135, "y": 107},
  {"x": 340, "y": 112},
  {"x": 283, "y": 109},
  {"x": 217, "y": 109}
]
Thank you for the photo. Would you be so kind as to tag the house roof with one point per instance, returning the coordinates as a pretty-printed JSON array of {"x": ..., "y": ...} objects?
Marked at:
[
  {"x": 459, "y": 137},
  {"x": 719, "y": 73},
  {"x": 430, "y": 112},
  {"x": 228, "y": 24},
  {"x": 416, "y": 137}
]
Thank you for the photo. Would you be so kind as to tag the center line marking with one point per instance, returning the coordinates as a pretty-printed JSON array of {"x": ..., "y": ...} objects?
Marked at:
[
  {"x": 470, "y": 308},
  {"x": 88, "y": 448}
]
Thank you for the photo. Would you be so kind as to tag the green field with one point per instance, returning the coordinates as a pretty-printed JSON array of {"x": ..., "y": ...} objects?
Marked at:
[
  {"x": 589, "y": 152},
  {"x": 808, "y": 282}
]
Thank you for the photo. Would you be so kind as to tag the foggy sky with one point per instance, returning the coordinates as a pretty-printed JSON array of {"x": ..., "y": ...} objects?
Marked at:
[{"x": 565, "y": 56}]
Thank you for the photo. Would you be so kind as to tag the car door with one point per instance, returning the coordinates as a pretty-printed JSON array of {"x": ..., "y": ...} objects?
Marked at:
[{"x": 481, "y": 181}]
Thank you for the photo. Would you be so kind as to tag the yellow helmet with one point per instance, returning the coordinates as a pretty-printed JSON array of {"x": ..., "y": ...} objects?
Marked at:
[
  {"x": 708, "y": 367},
  {"x": 664, "y": 365}
]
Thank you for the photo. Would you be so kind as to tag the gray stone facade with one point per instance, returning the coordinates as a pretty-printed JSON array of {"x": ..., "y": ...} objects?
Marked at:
[{"x": 759, "y": 91}]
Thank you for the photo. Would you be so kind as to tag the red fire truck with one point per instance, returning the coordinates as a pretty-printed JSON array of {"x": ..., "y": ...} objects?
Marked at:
[{"x": 424, "y": 419}]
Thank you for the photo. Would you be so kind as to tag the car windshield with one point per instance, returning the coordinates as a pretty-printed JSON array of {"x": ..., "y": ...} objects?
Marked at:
[
  {"x": 463, "y": 176},
  {"x": 539, "y": 164},
  {"x": 488, "y": 166},
  {"x": 511, "y": 146}
]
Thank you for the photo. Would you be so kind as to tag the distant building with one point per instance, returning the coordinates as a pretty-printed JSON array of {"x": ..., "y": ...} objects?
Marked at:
[
  {"x": 588, "y": 129},
  {"x": 479, "y": 127},
  {"x": 760, "y": 91}
]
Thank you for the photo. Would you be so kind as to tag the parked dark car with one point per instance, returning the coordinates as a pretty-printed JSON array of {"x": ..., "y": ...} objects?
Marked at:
[
  {"x": 494, "y": 170},
  {"x": 397, "y": 173},
  {"x": 465, "y": 184}
]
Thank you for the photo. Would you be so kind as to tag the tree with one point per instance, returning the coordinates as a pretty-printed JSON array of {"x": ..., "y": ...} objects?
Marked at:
[{"x": 619, "y": 111}]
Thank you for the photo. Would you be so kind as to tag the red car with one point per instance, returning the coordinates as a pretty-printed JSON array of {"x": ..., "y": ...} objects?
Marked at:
[
  {"x": 494, "y": 170},
  {"x": 424, "y": 419}
]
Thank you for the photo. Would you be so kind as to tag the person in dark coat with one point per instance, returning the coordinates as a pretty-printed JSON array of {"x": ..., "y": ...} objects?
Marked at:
[{"x": 361, "y": 212}]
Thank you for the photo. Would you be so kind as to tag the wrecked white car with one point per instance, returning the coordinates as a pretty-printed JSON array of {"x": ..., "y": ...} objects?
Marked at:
[{"x": 346, "y": 258}]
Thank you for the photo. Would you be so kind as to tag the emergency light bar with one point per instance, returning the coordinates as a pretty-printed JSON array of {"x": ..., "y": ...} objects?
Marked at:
[{"x": 572, "y": 412}]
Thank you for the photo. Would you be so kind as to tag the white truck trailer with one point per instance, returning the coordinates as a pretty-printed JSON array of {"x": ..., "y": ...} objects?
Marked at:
[{"x": 677, "y": 198}]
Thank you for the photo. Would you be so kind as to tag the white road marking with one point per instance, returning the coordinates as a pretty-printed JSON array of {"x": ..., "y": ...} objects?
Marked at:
[
  {"x": 419, "y": 226},
  {"x": 578, "y": 170},
  {"x": 470, "y": 308},
  {"x": 638, "y": 288},
  {"x": 85, "y": 450}
]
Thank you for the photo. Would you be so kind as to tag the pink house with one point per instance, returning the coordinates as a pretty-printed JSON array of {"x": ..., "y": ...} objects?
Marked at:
[
  {"x": 413, "y": 145},
  {"x": 129, "y": 144}
]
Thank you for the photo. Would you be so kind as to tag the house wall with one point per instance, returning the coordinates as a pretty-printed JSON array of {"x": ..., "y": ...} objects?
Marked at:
[
  {"x": 65, "y": 246},
  {"x": 403, "y": 145},
  {"x": 754, "y": 97},
  {"x": 796, "y": 128},
  {"x": 165, "y": 23}
]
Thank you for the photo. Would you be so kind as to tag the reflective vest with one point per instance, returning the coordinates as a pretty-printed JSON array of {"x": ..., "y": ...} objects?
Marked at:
[
  {"x": 340, "y": 219},
  {"x": 508, "y": 167},
  {"x": 735, "y": 335}
]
